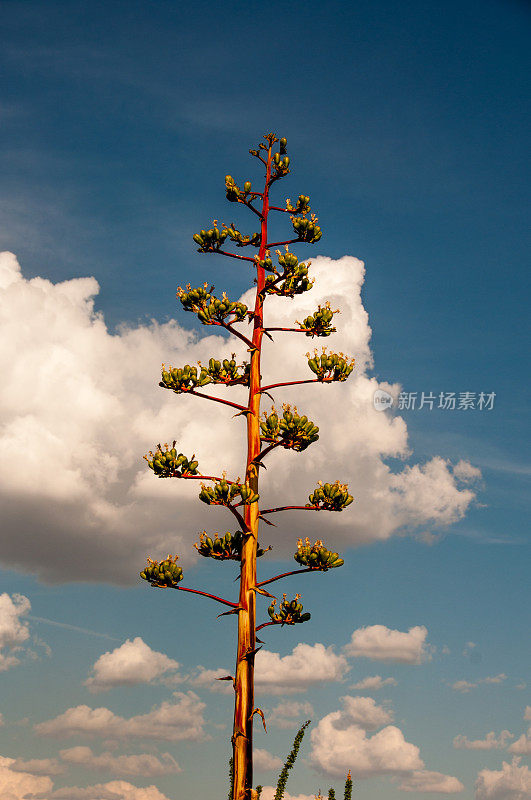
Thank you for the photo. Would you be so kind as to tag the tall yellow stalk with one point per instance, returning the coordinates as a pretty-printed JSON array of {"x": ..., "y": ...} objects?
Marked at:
[
  {"x": 291, "y": 432},
  {"x": 242, "y": 736}
]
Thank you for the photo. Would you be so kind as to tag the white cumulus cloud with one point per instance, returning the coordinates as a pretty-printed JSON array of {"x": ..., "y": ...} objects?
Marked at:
[
  {"x": 182, "y": 720},
  {"x": 373, "y": 683},
  {"x": 83, "y": 405},
  {"x": 490, "y": 742},
  {"x": 263, "y": 760},
  {"x": 365, "y": 712},
  {"x": 339, "y": 744},
  {"x": 522, "y": 746},
  {"x": 13, "y": 630},
  {"x": 512, "y": 782},
  {"x": 144, "y": 764},
  {"x": 465, "y": 686},
  {"x": 426, "y": 781},
  {"x": 268, "y": 793},
  {"x": 209, "y": 679},
  {"x": 113, "y": 790},
  {"x": 38, "y": 766},
  {"x": 305, "y": 666},
  {"x": 384, "y": 644},
  {"x": 16, "y": 785},
  {"x": 288, "y": 714},
  {"x": 132, "y": 663}
]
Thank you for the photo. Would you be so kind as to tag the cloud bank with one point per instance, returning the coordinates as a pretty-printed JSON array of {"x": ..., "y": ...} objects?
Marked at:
[
  {"x": 171, "y": 722},
  {"x": 81, "y": 405}
]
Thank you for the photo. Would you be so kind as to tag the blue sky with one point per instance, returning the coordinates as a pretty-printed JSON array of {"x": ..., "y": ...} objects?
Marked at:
[{"x": 408, "y": 127}]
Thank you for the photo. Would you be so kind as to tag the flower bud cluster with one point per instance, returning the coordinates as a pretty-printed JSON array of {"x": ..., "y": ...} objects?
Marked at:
[
  {"x": 234, "y": 193},
  {"x": 307, "y": 229},
  {"x": 289, "y": 612},
  {"x": 266, "y": 263},
  {"x": 330, "y": 366},
  {"x": 319, "y": 323},
  {"x": 209, "y": 308},
  {"x": 330, "y": 497},
  {"x": 290, "y": 431},
  {"x": 229, "y": 372},
  {"x": 210, "y": 241},
  {"x": 227, "y": 547},
  {"x": 316, "y": 556},
  {"x": 241, "y": 239},
  {"x": 188, "y": 378},
  {"x": 280, "y": 165},
  {"x": 302, "y": 207},
  {"x": 224, "y": 492},
  {"x": 168, "y": 463},
  {"x": 164, "y": 573},
  {"x": 293, "y": 280}
]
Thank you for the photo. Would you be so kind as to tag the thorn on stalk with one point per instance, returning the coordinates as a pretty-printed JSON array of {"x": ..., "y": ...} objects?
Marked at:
[
  {"x": 267, "y": 522},
  {"x": 228, "y": 678},
  {"x": 261, "y": 714},
  {"x": 250, "y": 653},
  {"x": 262, "y": 591},
  {"x": 232, "y": 611}
]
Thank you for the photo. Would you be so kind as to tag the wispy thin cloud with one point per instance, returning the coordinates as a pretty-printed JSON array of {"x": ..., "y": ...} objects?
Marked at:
[{"x": 75, "y": 628}]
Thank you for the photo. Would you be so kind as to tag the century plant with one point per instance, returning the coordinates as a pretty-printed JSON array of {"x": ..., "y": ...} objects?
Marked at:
[{"x": 265, "y": 430}]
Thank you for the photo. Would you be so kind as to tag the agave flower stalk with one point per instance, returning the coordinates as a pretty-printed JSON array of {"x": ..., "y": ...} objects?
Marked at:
[{"x": 293, "y": 431}]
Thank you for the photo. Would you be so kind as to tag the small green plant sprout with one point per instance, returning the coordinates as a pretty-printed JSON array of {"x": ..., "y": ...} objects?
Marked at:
[
  {"x": 290, "y": 761},
  {"x": 276, "y": 272}
]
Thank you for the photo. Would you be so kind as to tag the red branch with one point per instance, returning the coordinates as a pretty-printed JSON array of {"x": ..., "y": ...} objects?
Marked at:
[
  {"x": 265, "y": 451},
  {"x": 279, "y": 244},
  {"x": 217, "y": 400},
  {"x": 206, "y": 594},
  {"x": 265, "y": 624},
  {"x": 291, "y": 508},
  {"x": 232, "y": 255},
  {"x": 258, "y": 214},
  {"x": 284, "y": 574},
  {"x": 292, "y": 383},
  {"x": 228, "y": 326},
  {"x": 295, "y": 330},
  {"x": 241, "y": 521},
  {"x": 201, "y": 477},
  {"x": 276, "y": 208}
]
